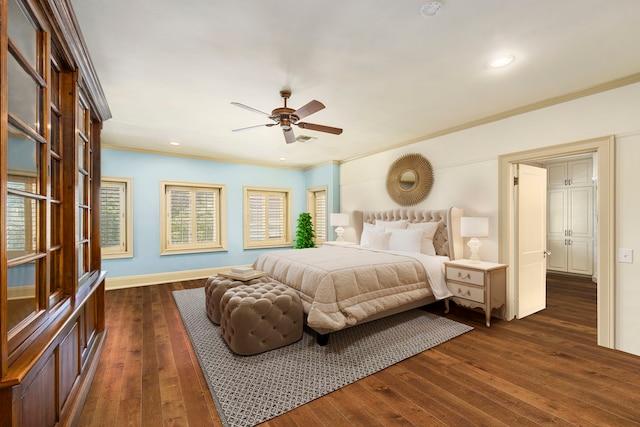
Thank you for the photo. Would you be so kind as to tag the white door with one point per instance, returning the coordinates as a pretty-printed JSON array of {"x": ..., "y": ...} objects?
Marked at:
[{"x": 531, "y": 235}]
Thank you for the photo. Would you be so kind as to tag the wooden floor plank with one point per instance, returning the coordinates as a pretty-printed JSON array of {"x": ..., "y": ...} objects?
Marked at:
[
  {"x": 151, "y": 398},
  {"x": 543, "y": 370},
  {"x": 325, "y": 412},
  {"x": 195, "y": 395},
  {"x": 173, "y": 408},
  {"x": 129, "y": 410}
]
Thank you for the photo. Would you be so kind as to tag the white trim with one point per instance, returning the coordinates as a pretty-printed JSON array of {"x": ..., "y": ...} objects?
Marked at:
[{"x": 158, "y": 278}]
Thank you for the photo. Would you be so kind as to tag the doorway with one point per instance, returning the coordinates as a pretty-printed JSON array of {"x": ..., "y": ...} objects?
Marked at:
[{"x": 605, "y": 149}]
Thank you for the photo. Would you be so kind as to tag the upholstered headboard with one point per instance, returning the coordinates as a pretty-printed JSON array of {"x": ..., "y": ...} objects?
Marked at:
[{"x": 447, "y": 239}]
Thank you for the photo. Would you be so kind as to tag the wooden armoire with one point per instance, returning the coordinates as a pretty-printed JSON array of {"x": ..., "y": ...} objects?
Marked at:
[{"x": 51, "y": 284}]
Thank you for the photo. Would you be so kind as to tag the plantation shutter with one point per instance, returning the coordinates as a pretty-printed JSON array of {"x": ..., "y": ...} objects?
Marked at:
[
  {"x": 193, "y": 216},
  {"x": 320, "y": 215},
  {"x": 276, "y": 216},
  {"x": 21, "y": 219},
  {"x": 257, "y": 218},
  {"x": 112, "y": 216},
  {"x": 205, "y": 216},
  {"x": 179, "y": 216},
  {"x": 267, "y": 217},
  {"x": 16, "y": 225}
]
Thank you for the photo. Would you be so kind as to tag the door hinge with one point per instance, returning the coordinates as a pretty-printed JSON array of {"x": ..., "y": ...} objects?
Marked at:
[{"x": 515, "y": 180}]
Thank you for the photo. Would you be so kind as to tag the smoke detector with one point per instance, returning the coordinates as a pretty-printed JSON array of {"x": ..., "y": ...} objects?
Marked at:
[{"x": 430, "y": 9}]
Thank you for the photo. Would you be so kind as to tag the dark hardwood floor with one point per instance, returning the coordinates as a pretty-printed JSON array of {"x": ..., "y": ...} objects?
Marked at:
[{"x": 542, "y": 370}]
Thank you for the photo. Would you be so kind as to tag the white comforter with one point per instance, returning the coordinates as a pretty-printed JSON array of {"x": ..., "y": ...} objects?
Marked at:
[{"x": 340, "y": 286}]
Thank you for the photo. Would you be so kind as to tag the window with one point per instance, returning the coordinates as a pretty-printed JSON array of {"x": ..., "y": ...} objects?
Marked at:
[
  {"x": 116, "y": 231},
  {"x": 267, "y": 213},
  {"x": 317, "y": 207},
  {"x": 192, "y": 219}
]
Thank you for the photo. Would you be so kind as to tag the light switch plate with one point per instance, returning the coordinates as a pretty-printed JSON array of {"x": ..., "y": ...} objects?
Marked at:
[{"x": 625, "y": 255}]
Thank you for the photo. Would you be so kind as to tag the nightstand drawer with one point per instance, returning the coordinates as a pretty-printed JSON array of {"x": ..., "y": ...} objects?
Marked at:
[
  {"x": 467, "y": 276},
  {"x": 470, "y": 293}
]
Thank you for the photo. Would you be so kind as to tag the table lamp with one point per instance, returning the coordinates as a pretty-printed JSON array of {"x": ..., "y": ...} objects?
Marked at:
[
  {"x": 474, "y": 227},
  {"x": 339, "y": 220}
]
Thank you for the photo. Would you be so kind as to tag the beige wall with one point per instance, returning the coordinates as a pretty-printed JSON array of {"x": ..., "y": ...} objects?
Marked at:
[{"x": 466, "y": 175}]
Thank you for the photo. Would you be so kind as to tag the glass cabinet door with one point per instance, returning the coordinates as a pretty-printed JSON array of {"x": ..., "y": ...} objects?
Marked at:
[{"x": 26, "y": 198}]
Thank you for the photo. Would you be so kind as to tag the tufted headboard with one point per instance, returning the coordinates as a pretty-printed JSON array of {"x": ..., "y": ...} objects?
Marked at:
[{"x": 447, "y": 240}]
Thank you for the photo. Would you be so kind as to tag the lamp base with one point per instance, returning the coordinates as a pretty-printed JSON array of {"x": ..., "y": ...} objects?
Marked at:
[
  {"x": 474, "y": 244},
  {"x": 339, "y": 233}
]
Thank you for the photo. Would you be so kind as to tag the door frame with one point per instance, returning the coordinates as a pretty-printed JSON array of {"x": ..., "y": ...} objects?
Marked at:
[{"x": 605, "y": 209}]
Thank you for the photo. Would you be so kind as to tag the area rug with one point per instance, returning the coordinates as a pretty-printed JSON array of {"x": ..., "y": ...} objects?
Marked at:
[{"x": 248, "y": 390}]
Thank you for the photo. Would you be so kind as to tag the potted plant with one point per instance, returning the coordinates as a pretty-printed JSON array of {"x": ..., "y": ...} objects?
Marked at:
[{"x": 305, "y": 233}]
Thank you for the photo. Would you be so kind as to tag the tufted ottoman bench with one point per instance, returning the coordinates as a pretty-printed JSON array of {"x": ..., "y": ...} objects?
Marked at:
[
  {"x": 216, "y": 286},
  {"x": 260, "y": 317}
]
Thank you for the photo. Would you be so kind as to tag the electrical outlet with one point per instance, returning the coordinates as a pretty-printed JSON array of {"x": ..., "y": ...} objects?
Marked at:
[{"x": 625, "y": 255}]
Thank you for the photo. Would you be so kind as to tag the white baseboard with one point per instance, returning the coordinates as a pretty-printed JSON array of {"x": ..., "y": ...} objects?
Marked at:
[{"x": 158, "y": 278}]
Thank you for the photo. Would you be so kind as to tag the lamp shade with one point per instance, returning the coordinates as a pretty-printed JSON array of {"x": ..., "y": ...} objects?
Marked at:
[
  {"x": 339, "y": 219},
  {"x": 474, "y": 226}
]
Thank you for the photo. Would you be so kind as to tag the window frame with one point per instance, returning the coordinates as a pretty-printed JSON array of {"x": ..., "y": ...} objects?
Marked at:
[
  {"x": 220, "y": 244},
  {"x": 125, "y": 250},
  {"x": 286, "y": 241},
  {"x": 312, "y": 197}
]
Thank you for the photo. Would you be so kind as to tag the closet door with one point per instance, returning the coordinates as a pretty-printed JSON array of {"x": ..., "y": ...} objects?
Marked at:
[
  {"x": 580, "y": 172},
  {"x": 557, "y": 260},
  {"x": 557, "y": 229},
  {"x": 580, "y": 212},
  {"x": 580, "y": 256}
]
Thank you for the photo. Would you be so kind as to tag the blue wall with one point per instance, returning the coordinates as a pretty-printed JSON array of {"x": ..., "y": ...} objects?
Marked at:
[{"x": 148, "y": 170}]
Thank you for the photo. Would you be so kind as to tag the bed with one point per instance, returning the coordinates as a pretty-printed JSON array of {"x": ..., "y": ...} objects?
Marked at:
[{"x": 396, "y": 265}]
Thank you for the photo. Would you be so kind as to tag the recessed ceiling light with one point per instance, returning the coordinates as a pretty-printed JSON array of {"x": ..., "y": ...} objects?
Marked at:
[
  {"x": 174, "y": 143},
  {"x": 430, "y": 9},
  {"x": 502, "y": 61},
  {"x": 283, "y": 159}
]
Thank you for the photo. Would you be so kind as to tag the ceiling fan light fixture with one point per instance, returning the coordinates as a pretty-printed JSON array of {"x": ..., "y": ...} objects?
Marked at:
[
  {"x": 285, "y": 123},
  {"x": 430, "y": 9}
]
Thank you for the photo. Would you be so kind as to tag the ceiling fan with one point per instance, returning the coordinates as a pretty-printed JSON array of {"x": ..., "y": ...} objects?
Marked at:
[{"x": 285, "y": 117}]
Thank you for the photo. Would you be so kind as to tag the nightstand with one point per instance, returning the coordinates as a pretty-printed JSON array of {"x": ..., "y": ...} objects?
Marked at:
[{"x": 476, "y": 285}]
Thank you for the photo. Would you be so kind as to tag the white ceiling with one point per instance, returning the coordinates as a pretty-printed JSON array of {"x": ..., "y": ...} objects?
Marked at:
[{"x": 171, "y": 68}]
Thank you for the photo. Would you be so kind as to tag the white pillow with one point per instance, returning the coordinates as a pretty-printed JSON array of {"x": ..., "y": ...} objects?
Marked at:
[
  {"x": 375, "y": 239},
  {"x": 429, "y": 230},
  {"x": 405, "y": 240},
  {"x": 392, "y": 224},
  {"x": 369, "y": 226}
]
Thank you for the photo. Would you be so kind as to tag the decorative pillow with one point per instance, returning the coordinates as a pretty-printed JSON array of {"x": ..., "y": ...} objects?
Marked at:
[
  {"x": 392, "y": 224},
  {"x": 428, "y": 231},
  {"x": 405, "y": 240},
  {"x": 375, "y": 239}
]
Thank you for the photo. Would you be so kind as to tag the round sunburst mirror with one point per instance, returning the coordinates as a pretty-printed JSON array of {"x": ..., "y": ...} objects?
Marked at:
[{"x": 409, "y": 179}]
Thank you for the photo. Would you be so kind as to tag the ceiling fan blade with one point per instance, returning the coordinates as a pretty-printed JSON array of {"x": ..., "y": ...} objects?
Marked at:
[
  {"x": 308, "y": 109},
  {"x": 289, "y": 136},
  {"x": 320, "y": 128},
  {"x": 252, "y": 127},
  {"x": 246, "y": 107}
]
